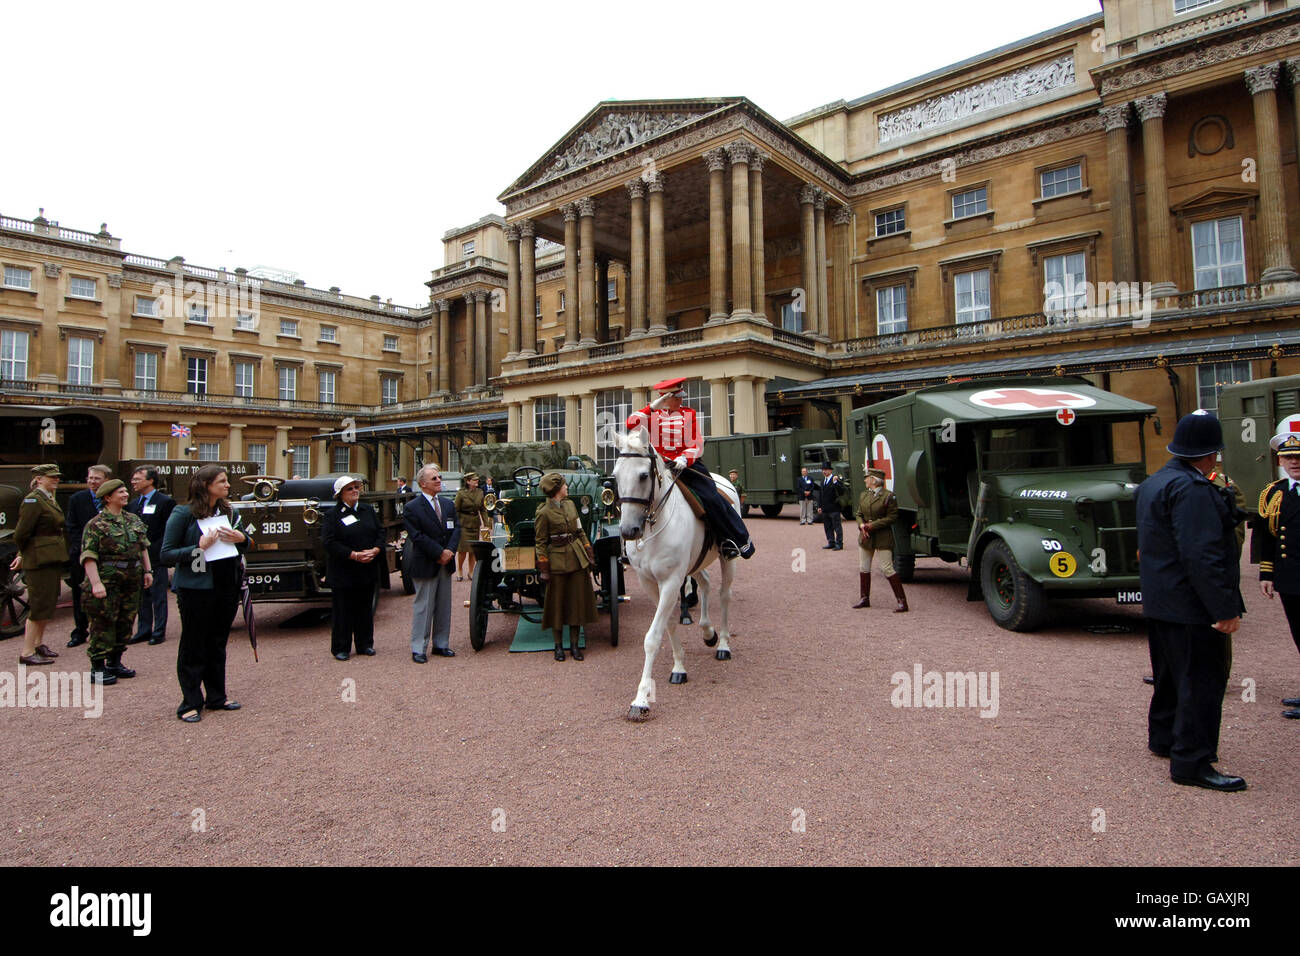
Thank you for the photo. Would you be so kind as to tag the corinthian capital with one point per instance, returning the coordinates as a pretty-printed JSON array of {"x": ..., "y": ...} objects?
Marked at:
[
  {"x": 739, "y": 152},
  {"x": 570, "y": 210},
  {"x": 442, "y": 305},
  {"x": 586, "y": 206},
  {"x": 512, "y": 232},
  {"x": 527, "y": 229},
  {"x": 636, "y": 188},
  {"x": 655, "y": 181},
  {"x": 807, "y": 194},
  {"x": 717, "y": 160},
  {"x": 1151, "y": 107},
  {"x": 757, "y": 160},
  {"x": 819, "y": 202},
  {"x": 842, "y": 216},
  {"x": 1114, "y": 117},
  {"x": 1260, "y": 78}
]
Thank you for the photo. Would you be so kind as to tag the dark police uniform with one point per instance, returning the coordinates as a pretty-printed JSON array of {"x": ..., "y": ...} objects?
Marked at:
[
  {"x": 828, "y": 503},
  {"x": 117, "y": 544},
  {"x": 352, "y": 583},
  {"x": 564, "y": 552}
]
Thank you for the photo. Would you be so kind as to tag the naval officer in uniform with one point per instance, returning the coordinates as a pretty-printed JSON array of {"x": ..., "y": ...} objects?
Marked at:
[{"x": 1279, "y": 569}]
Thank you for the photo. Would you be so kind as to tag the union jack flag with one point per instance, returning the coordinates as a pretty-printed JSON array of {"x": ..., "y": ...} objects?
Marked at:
[{"x": 180, "y": 431}]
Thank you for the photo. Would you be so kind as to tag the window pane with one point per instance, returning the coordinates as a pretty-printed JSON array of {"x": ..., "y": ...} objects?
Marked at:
[
  {"x": 342, "y": 458},
  {"x": 302, "y": 460},
  {"x": 244, "y": 379},
  {"x": 888, "y": 223},
  {"x": 196, "y": 376},
  {"x": 288, "y": 377},
  {"x": 257, "y": 455},
  {"x": 209, "y": 451},
  {"x": 18, "y": 278},
  {"x": 13, "y": 355},
  {"x": 146, "y": 370},
  {"x": 612, "y": 408},
  {"x": 83, "y": 288},
  {"x": 156, "y": 450},
  {"x": 699, "y": 396},
  {"x": 81, "y": 360},
  {"x": 326, "y": 386},
  {"x": 548, "y": 419},
  {"x": 970, "y": 203}
]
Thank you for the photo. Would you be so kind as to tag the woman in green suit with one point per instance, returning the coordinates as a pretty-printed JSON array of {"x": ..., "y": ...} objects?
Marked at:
[
  {"x": 563, "y": 556},
  {"x": 42, "y": 557}
]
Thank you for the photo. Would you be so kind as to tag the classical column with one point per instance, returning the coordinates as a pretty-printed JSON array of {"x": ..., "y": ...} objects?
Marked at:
[
  {"x": 444, "y": 345},
  {"x": 741, "y": 261},
  {"x": 657, "y": 280},
  {"x": 744, "y": 405},
  {"x": 281, "y": 466},
  {"x": 823, "y": 305},
  {"x": 572, "y": 424},
  {"x": 808, "y": 256},
  {"x": 840, "y": 269},
  {"x": 717, "y": 161},
  {"x": 602, "y": 298},
  {"x": 636, "y": 268},
  {"x": 513, "y": 432},
  {"x": 587, "y": 270},
  {"x": 587, "y": 434},
  {"x": 480, "y": 339},
  {"x": 758, "y": 265},
  {"x": 760, "y": 404},
  {"x": 570, "y": 211},
  {"x": 512, "y": 289},
  {"x": 527, "y": 289},
  {"x": 640, "y": 398},
  {"x": 1123, "y": 240},
  {"x": 528, "y": 419},
  {"x": 236, "y": 450},
  {"x": 1160, "y": 268},
  {"x": 1262, "y": 82},
  {"x": 131, "y": 439},
  {"x": 471, "y": 366},
  {"x": 718, "y": 424}
]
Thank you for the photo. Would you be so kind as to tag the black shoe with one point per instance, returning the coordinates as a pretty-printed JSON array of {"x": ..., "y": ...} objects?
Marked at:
[
  {"x": 193, "y": 717},
  {"x": 840, "y": 546},
  {"x": 76, "y": 641},
  {"x": 119, "y": 670},
  {"x": 138, "y": 639},
  {"x": 1211, "y": 779},
  {"x": 224, "y": 705},
  {"x": 443, "y": 652},
  {"x": 1292, "y": 714},
  {"x": 157, "y": 640},
  {"x": 419, "y": 658},
  {"x": 1149, "y": 680},
  {"x": 100, "y": 675},
  {"x": 577, "y": 651},
  {"x": 828, "y": 547},
  {"x": 1291, "y": 701},
  {"x": 340, "y": 656},
  {"x": 559, "y": 652},
  {"x": 367, "y": 651}
]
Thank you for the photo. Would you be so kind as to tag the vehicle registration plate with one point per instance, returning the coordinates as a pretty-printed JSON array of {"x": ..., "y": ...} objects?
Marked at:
[{"x": 274, "y": 582}]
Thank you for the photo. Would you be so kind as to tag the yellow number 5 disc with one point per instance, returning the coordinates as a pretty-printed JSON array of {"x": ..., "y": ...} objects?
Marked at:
[{"x": 1063, "y": 564}]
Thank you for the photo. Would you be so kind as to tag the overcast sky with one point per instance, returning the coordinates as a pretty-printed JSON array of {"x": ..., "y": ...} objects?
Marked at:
[{"x": 339, "y": 141}]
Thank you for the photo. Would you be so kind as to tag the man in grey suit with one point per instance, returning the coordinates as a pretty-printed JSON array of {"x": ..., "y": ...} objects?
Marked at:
[{"x": 432, "y": 534}]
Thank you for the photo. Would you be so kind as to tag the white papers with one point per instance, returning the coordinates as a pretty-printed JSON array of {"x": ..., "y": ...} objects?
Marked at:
[
  {"x": 350, "y": 519},
  {"x": 221, "y": 549}
]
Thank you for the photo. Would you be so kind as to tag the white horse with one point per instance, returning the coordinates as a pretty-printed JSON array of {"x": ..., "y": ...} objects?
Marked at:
[{"x": 663, "y": 540}]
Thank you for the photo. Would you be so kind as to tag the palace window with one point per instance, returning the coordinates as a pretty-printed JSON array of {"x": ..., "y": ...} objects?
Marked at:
[
  {"x": 972, "y": 202},
  {"x": 80, "y": 288},
  {"x": 891, "y": 221},
  {"x": 791, "y": 317},
  {"x": 146, "y": 371},
  {"x": 613, "y": 405},
  {"x": 302, "y": 460},
  {"x": 537, "y": 307},
  {"x": 891, "y": 310},
  {"x": 561, "y": 308},
  {"x": 197, "y": 313},
  {"x": 1211, "y": 378},
  {"x": 1187, "y": 6},
  {"x": 327, "y": 383},
  {"x": 289, "y": 327},
  {"x": 699, "y": 396},
  {"x": 209, "y": 451},
  {"x": 244, "y": 322},
  {"x": 196, "y": 375},
  {"x": 156, "y": 450},
  {"x": 13, "y": 355},
  {"x": 81, "y": 360},
  {"x": 146, "y": 306},
  {"x": 244, "y": 379},
  {"x": 1064, "y": 179},
  {"x": 390, "y": 343},
  {"x": 288, "y": 381},
  {"x": 467, "y": 249},
  {"x": 17, "y": 277},
  {"x": 611, "y": 290},
  {"x": 329, "y": 333},
  {"x": 388, "y": 390},
  {"x": 342, "y": 458},
  {"x": 257, "y": 455},
  {"x": 548, "y": 419},
  {"x": 1065, "y": 283},
  {"x": 972, "y": 296},
  {"x": 1218, "y": 253}
]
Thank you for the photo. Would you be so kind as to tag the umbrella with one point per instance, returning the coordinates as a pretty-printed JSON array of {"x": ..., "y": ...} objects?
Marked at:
[{"x": 250, "y": 620}]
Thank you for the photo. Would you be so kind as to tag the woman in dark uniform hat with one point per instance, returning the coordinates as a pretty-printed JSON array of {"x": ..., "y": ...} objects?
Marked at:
[
  {"x": 42, "y": 557},
  {"x": 469, "y": 512},
  {"x": 354, "y": 548},
  {"x": 563, "y": 556}
]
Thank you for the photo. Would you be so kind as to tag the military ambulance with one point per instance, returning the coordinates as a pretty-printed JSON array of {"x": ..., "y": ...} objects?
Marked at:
[
  {"x": 1252, "y": 413},
  {"x": 768, "y": 463},
  {"x": 1029, "y": 482}
]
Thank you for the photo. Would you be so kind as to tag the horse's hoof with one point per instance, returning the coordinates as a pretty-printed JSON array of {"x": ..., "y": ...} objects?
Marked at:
[
  {"x": 676, "y": 678},
  {"x": 711, "y": 639},
  {"x": 723, "y": 655},
  {"x": 685, "y": 619},
  {"x": 637, "y": 713}
]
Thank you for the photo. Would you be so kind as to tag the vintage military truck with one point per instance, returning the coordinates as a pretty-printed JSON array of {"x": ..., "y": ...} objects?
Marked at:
[
  {"x": 769, "y": 463},
  {"x": 502, "y": 459},
  {"x": 1252, "y": 413},
  {"x": 287, "y": 561},
  {"x": 1029, "y": 481}
]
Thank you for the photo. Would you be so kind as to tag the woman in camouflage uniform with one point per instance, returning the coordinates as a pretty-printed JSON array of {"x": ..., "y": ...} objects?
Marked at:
[
  {"x": 469, "y": 512},
  {"x": 563, "y": 557},
  {"x": 115, "y": 556}
]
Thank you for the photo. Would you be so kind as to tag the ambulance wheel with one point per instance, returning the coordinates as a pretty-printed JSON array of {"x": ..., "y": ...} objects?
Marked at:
[
  {"x": 1014, "y": 599},
  {"x": 13, "y": 596},
  {"x": 770, "y": 511}
]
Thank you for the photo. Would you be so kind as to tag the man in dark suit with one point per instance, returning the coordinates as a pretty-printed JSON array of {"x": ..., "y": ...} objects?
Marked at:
[
  {"x": 82, "y": 506},
  {"x": 432, "y": 535},
  {"x": 154, "y": 508},
  {"x": 828, "y": 508},
  {"x": 1191, "y": 598}
]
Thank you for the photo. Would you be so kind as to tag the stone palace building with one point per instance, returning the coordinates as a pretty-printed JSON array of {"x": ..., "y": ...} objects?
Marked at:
[{"x": 1117, "y": 198}]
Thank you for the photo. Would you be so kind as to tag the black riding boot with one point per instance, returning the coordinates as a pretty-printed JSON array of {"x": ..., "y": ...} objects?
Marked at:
[{"x": 559, "y": 643}]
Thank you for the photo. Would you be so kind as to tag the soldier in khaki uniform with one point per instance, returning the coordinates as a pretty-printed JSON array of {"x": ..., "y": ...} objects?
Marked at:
[
  {"x": 877, "y": 512},
  {"x": 42, "y": 557},
  {"x": 115, "y": 554},
  {"x": 469, "y": 513},
  {"x": 563, "y": 557}
]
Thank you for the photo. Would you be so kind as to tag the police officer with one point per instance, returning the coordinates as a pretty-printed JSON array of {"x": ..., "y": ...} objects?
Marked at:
[
  {"x": 563, "y": 557},
  {"x": 469, "y": 512},
  {"x": 115, "y": 556},
  {"x": 1279, "y": 569},
  {"x": 42, "y": 557},
  {"x": 1192, "y": 601},
  {"x": 877, "y": 513}
]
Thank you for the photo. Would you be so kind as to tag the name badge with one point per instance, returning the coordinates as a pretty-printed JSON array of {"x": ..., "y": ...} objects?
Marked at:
[
  {"x": 350, "y": 519},
  {"x": 451, "y": 525},
  {"x": 150, "y": 509}
]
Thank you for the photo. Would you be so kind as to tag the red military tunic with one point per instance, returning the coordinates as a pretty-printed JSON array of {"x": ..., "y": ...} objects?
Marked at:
[{"x": 673, "y": 434}]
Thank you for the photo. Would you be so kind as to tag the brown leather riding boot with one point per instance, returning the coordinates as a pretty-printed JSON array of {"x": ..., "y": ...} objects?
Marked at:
[
  {"x": 864, "y": 585},
  {"x": 897, "y": 585}
]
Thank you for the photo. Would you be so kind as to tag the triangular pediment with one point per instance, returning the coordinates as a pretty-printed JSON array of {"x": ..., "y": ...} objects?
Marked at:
[
  {"x": 1216, "y": 196},
  {"x": 614, "y": 128}
]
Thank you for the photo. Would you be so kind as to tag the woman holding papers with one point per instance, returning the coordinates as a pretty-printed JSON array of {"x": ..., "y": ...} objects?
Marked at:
[{"x": 203, "y": 541}]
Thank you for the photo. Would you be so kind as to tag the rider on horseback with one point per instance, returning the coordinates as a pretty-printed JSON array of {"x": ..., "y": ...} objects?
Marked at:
[{"x": 675, "y": 433}]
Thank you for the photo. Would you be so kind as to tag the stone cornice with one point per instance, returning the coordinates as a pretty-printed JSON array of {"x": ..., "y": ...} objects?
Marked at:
[
  {"x": 45, "y": 246},
  {"x": 445, "y": 287}
]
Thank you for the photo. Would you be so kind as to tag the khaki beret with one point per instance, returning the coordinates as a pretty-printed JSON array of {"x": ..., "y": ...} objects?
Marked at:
[
  {"x": 108, "y": 487},
  {"x": 551, "y": 483}
]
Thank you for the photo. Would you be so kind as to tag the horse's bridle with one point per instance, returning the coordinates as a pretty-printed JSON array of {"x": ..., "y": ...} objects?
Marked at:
[{"x": 650, "y": 504}]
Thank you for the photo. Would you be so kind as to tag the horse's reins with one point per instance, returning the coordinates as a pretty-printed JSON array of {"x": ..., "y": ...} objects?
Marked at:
[{"x": 651, "y": 506}]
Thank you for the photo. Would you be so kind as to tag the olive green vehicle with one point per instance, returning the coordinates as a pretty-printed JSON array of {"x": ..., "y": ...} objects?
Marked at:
[
  {"x": 13, "y": 592},
  {"x": 768, "y": 463},
  {"x": 1029, "y": 481},
  {"x": 502, "y": 459},
  {"x": 1252, "y": 413}
]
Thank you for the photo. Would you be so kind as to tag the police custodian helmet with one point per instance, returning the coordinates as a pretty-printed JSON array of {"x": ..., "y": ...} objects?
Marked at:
[{"x": 1197, "y": 435}]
